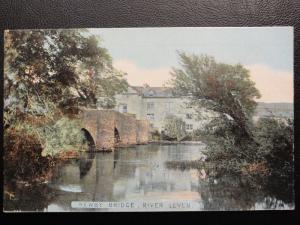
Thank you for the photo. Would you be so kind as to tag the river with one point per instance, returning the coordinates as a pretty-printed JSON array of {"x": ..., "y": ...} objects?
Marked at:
[{"x": 138, "y": 180}]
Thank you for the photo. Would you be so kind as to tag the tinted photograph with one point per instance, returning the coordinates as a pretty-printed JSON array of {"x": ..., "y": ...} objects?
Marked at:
[{"x": 148, "y": 119}]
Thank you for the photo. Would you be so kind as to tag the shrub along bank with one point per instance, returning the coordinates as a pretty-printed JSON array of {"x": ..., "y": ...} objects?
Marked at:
[{"x": 35, "y": 145}]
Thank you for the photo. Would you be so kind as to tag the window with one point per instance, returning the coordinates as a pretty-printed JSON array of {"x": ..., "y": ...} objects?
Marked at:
[
  {"x": 189, "y": 126},
  {"x": 168, "y": 106},
  {"x": 150, "y": 105},
  {"x": 124, "y": 109},
  {"x": 189, "y": 116},
  {"x": 151, "y": 93},
  {"x": 150, "y": 116}
]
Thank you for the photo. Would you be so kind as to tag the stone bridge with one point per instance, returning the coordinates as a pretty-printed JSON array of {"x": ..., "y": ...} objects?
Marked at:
[{"x": 108, "y": 129}]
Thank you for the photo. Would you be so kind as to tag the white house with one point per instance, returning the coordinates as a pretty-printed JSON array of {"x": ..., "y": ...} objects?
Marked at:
[{"x": 155, "y": 104}]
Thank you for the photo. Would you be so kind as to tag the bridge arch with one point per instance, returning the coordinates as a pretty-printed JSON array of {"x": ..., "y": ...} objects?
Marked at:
[
  {"x": 106, "y": 129},
  {"x": 89, "y": 138}
]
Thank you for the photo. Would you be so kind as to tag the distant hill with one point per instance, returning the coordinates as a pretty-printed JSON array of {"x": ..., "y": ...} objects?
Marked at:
[{"x": 280, "y": 109}]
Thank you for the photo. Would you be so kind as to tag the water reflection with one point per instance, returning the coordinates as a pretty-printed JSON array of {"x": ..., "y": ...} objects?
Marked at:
[
  {"x": 29, "y": 198},
  {"x": 85, "y": 162},
  {"x": 233, "y": 193},
  {"x": 139, "y": 173},
  {"x": 129, "y": 174}
]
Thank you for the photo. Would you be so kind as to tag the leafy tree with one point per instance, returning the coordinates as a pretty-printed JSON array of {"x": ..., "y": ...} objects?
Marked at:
[
  {"x": 218, "y": 87},
  {"x": 236, "y": 142},
  {"x": 229, "y": 94},
  {"x": 67, "y": 67},
  {"x": 175, "y": 127},
  {"x": 64, "y": 135}
]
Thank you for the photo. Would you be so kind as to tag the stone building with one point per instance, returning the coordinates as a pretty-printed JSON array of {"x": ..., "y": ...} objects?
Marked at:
[{"x": 155, "y": 104}]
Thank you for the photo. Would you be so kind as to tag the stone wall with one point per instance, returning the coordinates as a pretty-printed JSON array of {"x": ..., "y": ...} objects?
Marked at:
[
  {"x": 101, "y": 124},
  {"x": 126, "y": 125},
  {"x": 142, "y": 130}
]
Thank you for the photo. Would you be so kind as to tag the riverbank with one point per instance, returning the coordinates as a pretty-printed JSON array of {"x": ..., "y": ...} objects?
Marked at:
[
  {"x": 183, "y": 165},
  {"x": 39, "y": 179},
  {"x": 176, "y": 142}
]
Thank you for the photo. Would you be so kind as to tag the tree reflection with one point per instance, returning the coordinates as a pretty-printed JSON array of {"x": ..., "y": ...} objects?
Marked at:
[
  {"x": 280, "y": 192},
  {"x": 229, "y": 192},
  {"x": 85, "y": 163}
]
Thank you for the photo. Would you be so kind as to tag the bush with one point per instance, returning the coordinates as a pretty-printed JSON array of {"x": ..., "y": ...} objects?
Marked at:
[
  {"x": 200, "y": 135},
  {"x": 23, "y": 158},
  {"x": 229, "y": 151},
  {"x": 270, "y": 153},
  {"x": 155, "y": 135},
  {"x": 276, "y": 146},
  {"x": 62, "y": 136},
  {"x": 175, "y": 127},
  {"x": 56, "y": 133}
]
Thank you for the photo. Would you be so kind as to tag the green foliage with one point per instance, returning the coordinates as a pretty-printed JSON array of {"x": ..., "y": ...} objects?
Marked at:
[
  {"x": 66, "y": 67},
  {"x": 276, "y": 139},
  {"x": 221, "y": 88},
  {"x": 110, "y": 86},
  {"x": 13, "y": 115},
  {"x": 197, "y": 135},
  {"x": 23, "y": 160},
  {"x": 227, "y": 92},
  {"x": 235, "y": 144},
  {"x": 64, "y": 135},
  {"x": 270, "y": 154},
  {"x": 155, "y": 135},
  {"x": 55, "y": 134},
  {"x": 175, "y": 127}
]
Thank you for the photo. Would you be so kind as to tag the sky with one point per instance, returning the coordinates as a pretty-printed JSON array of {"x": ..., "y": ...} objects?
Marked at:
[{"x": 147, "y": 55}]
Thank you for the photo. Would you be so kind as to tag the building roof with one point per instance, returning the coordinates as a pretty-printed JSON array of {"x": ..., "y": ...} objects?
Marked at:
[{"x": 155, "y": 92}]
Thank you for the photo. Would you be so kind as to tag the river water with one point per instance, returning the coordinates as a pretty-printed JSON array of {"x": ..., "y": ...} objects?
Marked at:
[{"x": 137, "y": 179}]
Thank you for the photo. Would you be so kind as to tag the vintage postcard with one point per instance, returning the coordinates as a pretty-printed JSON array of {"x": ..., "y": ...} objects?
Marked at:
[{"x": 148, "y": 119}]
